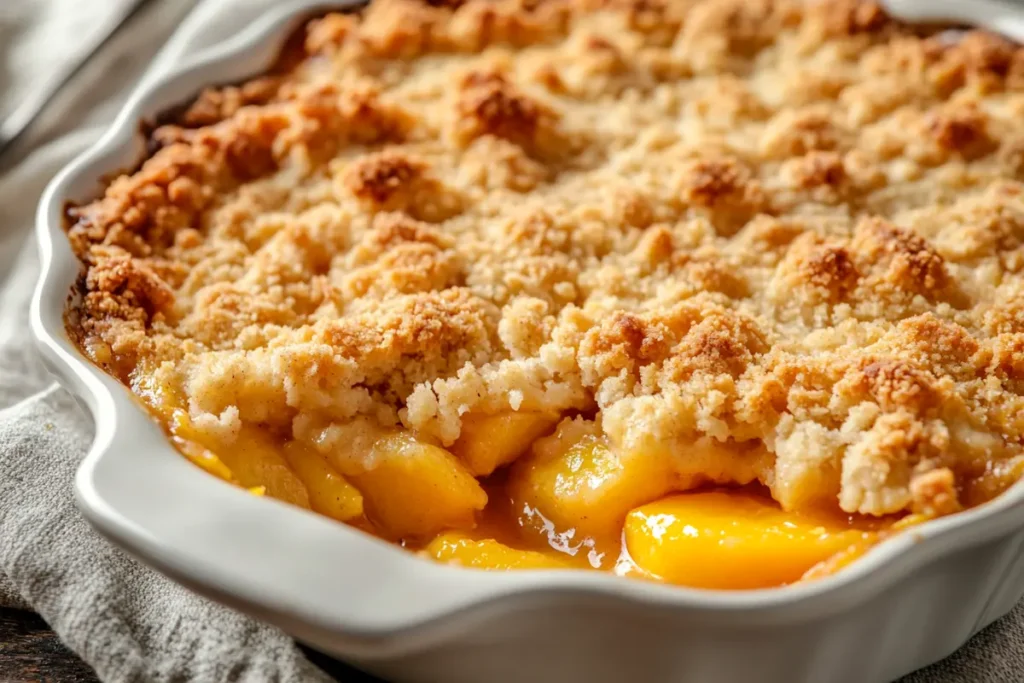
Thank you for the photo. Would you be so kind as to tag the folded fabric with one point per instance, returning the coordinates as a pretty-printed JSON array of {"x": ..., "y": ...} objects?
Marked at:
[{"x": 127, "y": 621}]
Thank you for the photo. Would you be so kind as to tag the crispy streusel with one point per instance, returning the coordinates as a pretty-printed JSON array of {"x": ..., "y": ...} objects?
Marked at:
[{"x": 796, "y": 227}]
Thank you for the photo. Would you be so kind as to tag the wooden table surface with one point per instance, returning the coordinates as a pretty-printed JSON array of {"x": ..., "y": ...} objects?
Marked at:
[{"x": 29, "y": 651}]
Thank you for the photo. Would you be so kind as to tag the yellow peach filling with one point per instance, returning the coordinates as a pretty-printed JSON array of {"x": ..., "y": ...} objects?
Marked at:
[
  {"x": 735, "y": 539},
  {"x": 527, "y": 491}
]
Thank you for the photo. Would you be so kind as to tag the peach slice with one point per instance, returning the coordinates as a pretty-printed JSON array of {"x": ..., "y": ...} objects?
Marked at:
[
  {"x": 414, "y": 489},
  {"x": 574, "y": 486},
  {"x": 330, "y": 493},
  {"x": 457, "y": 548},
  {"x": 733, "y": 539},
  {"x": 489, "y": 441},
  {"x": 252, "y": 456}
]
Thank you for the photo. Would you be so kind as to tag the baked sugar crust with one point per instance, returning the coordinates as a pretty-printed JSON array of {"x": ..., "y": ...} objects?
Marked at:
[{"x": 794, "y": 229}]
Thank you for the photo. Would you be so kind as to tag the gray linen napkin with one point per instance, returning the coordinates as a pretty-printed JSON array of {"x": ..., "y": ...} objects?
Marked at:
[
  {"x": 130, "y": 623},
  {"x": 126, "y": 621}
]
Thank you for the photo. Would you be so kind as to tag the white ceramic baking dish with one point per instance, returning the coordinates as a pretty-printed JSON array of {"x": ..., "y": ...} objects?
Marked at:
[{"x": 909, "y": 602}]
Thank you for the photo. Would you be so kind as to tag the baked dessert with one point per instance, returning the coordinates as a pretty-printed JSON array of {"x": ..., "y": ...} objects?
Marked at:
[{"x": 715, "y": 292}]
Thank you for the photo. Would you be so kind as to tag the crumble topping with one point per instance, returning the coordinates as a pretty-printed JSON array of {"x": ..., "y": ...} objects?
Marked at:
[{"x": 782, "y": 239}]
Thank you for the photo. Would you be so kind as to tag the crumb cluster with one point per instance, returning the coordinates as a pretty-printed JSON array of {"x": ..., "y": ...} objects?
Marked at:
[{"x": 793, "y": 228}]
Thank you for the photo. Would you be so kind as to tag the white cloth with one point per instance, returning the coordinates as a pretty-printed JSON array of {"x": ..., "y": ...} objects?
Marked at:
[{"x": 128, "y": 622}]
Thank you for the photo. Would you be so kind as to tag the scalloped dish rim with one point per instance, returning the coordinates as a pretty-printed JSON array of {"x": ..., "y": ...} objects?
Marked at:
[{"x": 288, "y": 590}]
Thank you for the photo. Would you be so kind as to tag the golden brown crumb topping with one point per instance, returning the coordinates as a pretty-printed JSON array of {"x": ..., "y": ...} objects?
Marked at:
[{"x": 794, "y": 227}]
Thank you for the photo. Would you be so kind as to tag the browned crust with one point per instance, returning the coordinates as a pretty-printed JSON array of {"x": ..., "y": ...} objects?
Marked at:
[{"x": 755, "y": 220}]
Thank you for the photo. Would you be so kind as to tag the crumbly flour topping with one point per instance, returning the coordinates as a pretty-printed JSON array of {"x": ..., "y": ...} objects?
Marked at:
[{"x": 795, "y": 229}]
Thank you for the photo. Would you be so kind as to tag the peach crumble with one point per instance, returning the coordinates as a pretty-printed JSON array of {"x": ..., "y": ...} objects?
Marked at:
[{"x": 714, "y": 292}]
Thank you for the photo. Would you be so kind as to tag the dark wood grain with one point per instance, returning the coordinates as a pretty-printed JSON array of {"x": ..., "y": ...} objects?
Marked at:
[
  {"x": 31, "y": 652},
  {"x": 337, "y": 670}
]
